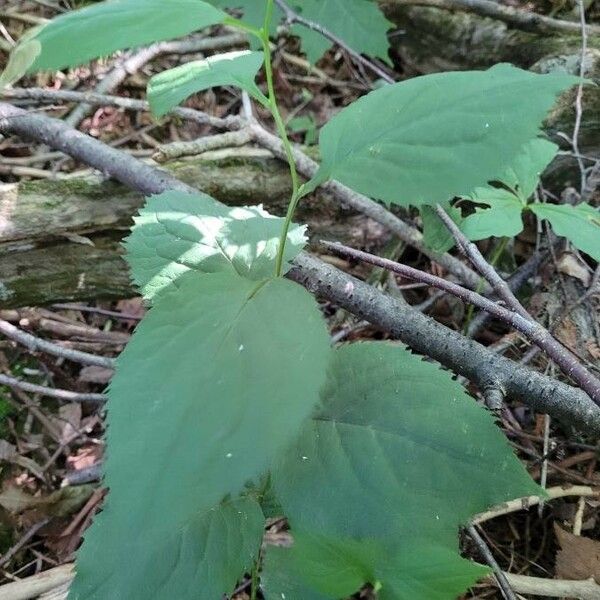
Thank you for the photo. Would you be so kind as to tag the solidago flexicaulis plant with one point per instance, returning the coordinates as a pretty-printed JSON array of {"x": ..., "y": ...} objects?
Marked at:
[{"x": 229, "y": 393}]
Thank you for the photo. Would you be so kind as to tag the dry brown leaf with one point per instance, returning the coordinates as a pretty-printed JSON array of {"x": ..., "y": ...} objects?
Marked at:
[
  {"x": 572, "y": 266},
  {"x": 578, "y": 557}
]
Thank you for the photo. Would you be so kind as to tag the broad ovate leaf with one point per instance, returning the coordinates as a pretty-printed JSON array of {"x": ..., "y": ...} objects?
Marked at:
[
  {"x": 395, "y": 459},
  {"x": 503, "y": 218},
  {"x": 359, "y": 23},
  {"x": 580, "y": 224},
  {"x": 177, "y": 232},
  {"x": 216, "y": 380},
  {"x": 169, "y": 88},
  {"x": 210, "y": 552},
  {"x": 507, "y": 200},
  {"x": 105, "y": 27},
  {"x": 524, "y": 173},
  {"x": 431, "y": 138}
]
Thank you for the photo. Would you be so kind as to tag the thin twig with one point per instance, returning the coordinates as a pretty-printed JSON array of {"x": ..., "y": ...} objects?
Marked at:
[
  {"x": 554, "y": 588},
  {"x": 52, "y": 96},
  {"x": 529, "y": 501},
  {"x": 50, "y": 392},
  {"x": 291, "y": 16},
  {"x": 28, "y": 535},
  {"x": 537, "y": 334},
  {"x": 228, "y": 139},
  {"x": 470, "y": 250},
  {"x": 579, "y": 97},
  {"x": 35, "y": 344},
  {"x": 491, "y": 561}
]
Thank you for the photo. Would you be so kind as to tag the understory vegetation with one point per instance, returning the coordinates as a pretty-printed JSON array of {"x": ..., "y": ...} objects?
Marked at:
[{"x": 296, "y": 310}]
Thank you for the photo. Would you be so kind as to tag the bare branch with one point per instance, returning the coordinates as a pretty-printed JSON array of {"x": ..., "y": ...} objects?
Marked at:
[
  {"x": 50, "y": 392},
  {"x": 35, "y": 344}
]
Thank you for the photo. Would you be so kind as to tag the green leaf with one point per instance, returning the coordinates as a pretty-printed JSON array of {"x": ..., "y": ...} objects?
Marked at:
[
  {"x": 207, "y": 556},
  {"x": 397, "y": 457},
  {"x": 216, "y": 380},
  {"x": 359, "y": 23},
  {"x": 21, "y": 58},
  {"x": 579, "y": 224},
  {"x": 431, "y": 138},
  {"x": 305, "y": 124},
  {"x": 435, "y": 233},
  {"x": 100, "y": 29},
  {"x": 523, "y": 175},
  {"x": 169, "y": 88},
  {"x": 253, "y": 12},
  {"x": 502, "y": 219},
  {"x": 177, "y": 232}
]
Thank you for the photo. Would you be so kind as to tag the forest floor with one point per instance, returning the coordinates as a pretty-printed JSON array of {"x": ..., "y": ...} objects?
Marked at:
[{"x": 51, "y": 450}]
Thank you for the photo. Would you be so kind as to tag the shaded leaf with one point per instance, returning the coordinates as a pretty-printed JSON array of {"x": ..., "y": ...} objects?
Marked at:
[
  {"x": 394, "y": 461},
  {"x": 523, "y": 175},
  {"x": 359, "y": 23},
  {"x": 206, "y": 556},
  {"x": 171, "y": 87},
  {"x": 431, "y": 138},
  {"x": 103, "y": 28},
  {"x": 177, "y": 232},
  {"x": 435, "y": 233},
  {"x": 216, "y": 379},
  {"x": 579, "y": 224},
  {"x": 503, "y": 218}
]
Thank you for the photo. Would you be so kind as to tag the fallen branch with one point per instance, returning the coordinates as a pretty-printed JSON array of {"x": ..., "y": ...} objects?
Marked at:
[
  {"x": 43, "y": 390},
  {"x": 532, "y": 330},
  {"x": 423, "y": 334},
  {"x": 35, "y": 344},
  {"x": 582, "y": 491},
  {"x": 554, "y": 588},
  {"x": 34, "y": 586}
]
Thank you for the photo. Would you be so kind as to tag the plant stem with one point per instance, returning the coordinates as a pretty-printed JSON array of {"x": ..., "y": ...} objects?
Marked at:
[
  {"x": 272, "y": 97},
  {"x": 254, "y": 582}
]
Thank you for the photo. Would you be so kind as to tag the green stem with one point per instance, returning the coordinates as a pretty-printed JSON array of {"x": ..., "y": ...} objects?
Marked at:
[
  {"x": 254, "y": 581},
  {"x": 272, "y": 98}
]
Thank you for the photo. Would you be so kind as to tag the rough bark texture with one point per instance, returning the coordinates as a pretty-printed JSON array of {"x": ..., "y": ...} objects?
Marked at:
[{"x": 60, "y": 240}]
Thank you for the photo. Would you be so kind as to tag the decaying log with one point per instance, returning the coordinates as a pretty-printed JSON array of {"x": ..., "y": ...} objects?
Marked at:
[{"x": 61, "y": 240}]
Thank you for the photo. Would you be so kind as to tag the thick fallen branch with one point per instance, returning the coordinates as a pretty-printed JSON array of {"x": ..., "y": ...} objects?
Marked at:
[
  {"x": 423, "y": 334},
  {"x": 518, "y": 319}
]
